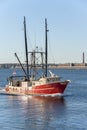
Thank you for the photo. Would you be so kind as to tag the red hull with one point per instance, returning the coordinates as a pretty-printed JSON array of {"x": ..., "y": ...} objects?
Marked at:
[
  {"x": 47, "y": 89},
  {"x": 53, "y": 88}
]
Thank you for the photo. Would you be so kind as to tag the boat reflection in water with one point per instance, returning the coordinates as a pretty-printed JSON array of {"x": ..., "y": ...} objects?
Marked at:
[{"x": 36, "y": 112}]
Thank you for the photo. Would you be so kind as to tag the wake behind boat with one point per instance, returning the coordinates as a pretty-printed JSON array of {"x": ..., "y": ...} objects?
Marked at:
[{"x": 30, "y": 83}]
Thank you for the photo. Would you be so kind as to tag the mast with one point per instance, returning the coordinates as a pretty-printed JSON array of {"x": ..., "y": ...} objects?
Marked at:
[
  {"x": 46, "y": 48},
  {"x": 26, "y": 49}
]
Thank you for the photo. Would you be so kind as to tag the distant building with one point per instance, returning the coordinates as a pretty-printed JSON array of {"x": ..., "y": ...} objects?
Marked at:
[{"x": 83, "y": 58}]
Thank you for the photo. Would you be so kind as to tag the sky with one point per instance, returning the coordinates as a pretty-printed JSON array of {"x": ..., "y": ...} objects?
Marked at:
[{"x": 67, "y": 24}]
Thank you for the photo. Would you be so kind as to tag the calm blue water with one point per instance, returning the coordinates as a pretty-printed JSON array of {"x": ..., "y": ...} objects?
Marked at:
[{"x": 46, "y": 113}]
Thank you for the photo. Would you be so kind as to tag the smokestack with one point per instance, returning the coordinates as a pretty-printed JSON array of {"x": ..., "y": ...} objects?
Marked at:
[{"x": 83, "y": 58}]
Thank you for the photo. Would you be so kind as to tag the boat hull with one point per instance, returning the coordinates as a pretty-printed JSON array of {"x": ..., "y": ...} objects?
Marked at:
[{"x": 56, "y": 88}]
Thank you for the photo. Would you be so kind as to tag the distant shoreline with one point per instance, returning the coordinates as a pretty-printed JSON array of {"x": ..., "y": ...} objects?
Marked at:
[
  {"x": 50, "y": 66},
  {"x": 66, "y": 67}
]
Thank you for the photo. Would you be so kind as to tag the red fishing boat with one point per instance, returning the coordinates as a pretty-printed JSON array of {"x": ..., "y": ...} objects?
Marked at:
[{"x": 30, "y": 83}]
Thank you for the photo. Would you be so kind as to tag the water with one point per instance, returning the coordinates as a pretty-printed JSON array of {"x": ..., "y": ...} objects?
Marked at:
[{"x": 46, "y": 113}]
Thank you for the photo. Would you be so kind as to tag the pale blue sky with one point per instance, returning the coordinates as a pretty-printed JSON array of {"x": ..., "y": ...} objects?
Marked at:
[{"x": 67, "y": 23}]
